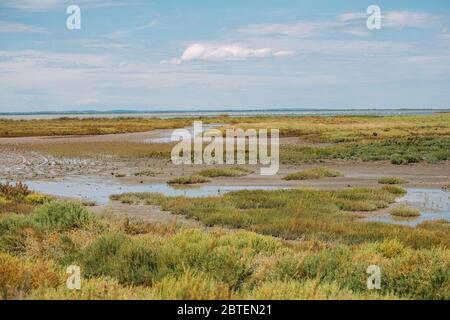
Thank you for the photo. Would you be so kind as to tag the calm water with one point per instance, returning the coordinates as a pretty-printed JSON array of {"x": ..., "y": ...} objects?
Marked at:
[
  {"x": 231, "y": 113},
  {"x": 99, "y": 191},
  {"x": 434, "y": 204}
]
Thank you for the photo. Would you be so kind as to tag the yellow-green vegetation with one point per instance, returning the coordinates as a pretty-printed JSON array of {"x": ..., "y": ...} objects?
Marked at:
[
  {"x": 195, "y": 179},
  {"x": 314, "y": 173},
  {"x": 404, "y": 211},
  {"x": 337, "y": 129},
  {"x": 233, "y": 171},
  {"x": 398, "y": 191},
  {"x": 399, "y": 151},
  {"x": 399, "y": 139},
  {"x": 133, "y": 259},
  {"x": 86, "y": 126},
  {"x": 299, "y": 213},
  {"x": 37, "y": 198},
  {"x": 392, "y": 180},
  {"x": 94, "y": 149}
]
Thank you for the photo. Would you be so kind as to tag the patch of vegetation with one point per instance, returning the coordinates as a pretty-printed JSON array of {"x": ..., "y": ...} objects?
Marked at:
[
  {"x": 300, "y": 213},
  {"x": 37, "y": 198},
  {"x": 392, "y": 180},
  {"x": 85, "y": 126},
  {"x": 86, "y": 150},
  {"x": 233, "y": 171},
  {"x": 314, "y": 173},
  {"x": 404, "y": 211},
  {"x": 406, "y": 150},
  {"x": 123, "y": 258},
  {"x": 396, "y": 190},
  {"x": 195, "y": 179}
]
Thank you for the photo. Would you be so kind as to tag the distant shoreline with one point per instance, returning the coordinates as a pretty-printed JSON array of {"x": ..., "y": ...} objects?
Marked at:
[{"x": 212, "y": 113}]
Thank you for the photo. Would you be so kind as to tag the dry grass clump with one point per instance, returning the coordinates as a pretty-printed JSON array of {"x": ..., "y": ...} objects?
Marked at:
[
  {"x": 195, "y": 179},
  {"x": 20, "y": 276},
  {"x": 404, "y": 211},
  {"x": 314, "y": 173},
  {"x": 392, "y": 180},
  {"x": 234, "y": 171}
]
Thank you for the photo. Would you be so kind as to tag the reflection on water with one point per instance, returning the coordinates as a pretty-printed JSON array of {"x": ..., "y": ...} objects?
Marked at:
[
  {"x": 434, "y": 204},
  {"x": 99, "y": 191}
]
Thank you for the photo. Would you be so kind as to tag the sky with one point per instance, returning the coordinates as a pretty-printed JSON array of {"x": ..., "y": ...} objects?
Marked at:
[{"x": 212, "y": 55}]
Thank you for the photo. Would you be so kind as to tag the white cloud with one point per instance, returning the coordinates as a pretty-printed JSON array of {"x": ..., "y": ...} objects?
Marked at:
[
  {"x": 226, "y": 53},
  {"x": 13, "y": 27}
]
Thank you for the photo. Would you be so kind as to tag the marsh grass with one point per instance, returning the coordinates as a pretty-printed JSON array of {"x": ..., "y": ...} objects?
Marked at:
[
  {"x": 85, "y": 126},
  {"x": 83, "y": 150},
  {"x": 302, "y": 213},
  {"x": 396, "y": 190},
  {"x": 392, "y": 180},
  {"x": 401, "y": 150},
  {"x": 233, "y": 171},
  {"x": 124, "y": 258},
  {"x": 405, "y": 211},
  {"x": 314, "y": 173},
  {"x": 186, "y": 180}
]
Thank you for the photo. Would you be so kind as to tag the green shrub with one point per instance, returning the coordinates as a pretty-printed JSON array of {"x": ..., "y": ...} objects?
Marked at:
[
  {"x": 62, "y": 215},
  {"x": 119, "y": 257}
]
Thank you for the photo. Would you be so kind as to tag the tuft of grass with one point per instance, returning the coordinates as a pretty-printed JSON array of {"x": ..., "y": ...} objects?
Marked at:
[
  {"x": 392, "y": 180},
  {"x": 234, "y": 171},
  {"x": 195, "y": 179},
  {"x": 315, "y": 173},
  {"x": 404, "y": 211},
  {"x": 396, "y": 190}
]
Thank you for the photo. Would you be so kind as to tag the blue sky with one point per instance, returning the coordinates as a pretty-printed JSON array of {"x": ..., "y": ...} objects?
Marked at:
[{"x": 209, "y": 55}]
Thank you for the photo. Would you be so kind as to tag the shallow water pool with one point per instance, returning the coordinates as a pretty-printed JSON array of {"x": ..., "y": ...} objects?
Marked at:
[
  {"x": 100, "y": 190},
  {"x": 434, "y": 204}
]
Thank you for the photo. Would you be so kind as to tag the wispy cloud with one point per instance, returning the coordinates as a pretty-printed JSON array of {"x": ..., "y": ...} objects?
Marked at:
[
  {"x": 14, "y": 27},
  {"x": 298, "y": 29},
  {"x": 46, "y": 5},
  {"x": 225, "y": 53},
  {"x": 122, "y": 33},
  {"x": 397, "y": 19}
]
